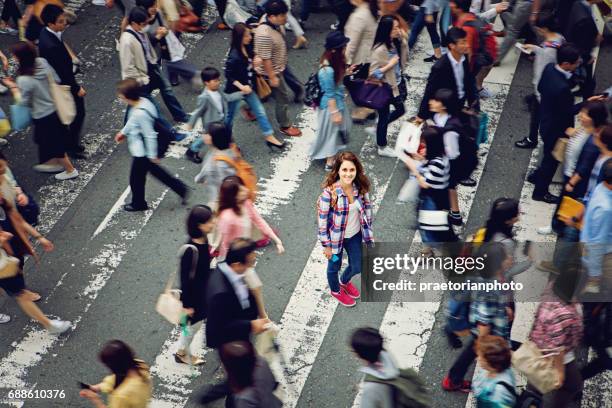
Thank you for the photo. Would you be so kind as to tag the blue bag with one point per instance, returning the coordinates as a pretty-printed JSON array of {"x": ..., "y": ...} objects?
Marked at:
[{"x": 21, "y": 117}]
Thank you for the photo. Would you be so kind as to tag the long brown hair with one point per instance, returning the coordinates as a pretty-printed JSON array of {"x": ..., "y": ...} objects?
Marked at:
[
  {"x": 337, "y": 60},
  {"x": 26, "y": 55},
  {"x": 361, "y": 180},
  {"x": 228, "y": 194}
]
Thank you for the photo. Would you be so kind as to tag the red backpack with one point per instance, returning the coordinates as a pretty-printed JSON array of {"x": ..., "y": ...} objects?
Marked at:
[{"x": 485, "y": 51}]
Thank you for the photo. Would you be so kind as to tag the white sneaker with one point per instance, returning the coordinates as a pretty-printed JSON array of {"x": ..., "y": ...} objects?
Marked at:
[
  {"x": 484, "y": 93},
  {"x": 64, "y": 175},
  {"x": 49, "y": 168},
  {"x": 4, "y": 318},
  {"x": 545, "y": 230},
  {"x": 58, "y": 326},
  {"x": 386, "y": 152},
  {"x": 371, "y": 131}
]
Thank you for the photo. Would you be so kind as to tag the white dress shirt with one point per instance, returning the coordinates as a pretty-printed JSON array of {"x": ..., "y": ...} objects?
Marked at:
[
  {"x": 237, "y": 281},
  {"x": 58, "y": 35},
  {"x": 565, "y": 73},
  {"x": 458, "y": 71}
]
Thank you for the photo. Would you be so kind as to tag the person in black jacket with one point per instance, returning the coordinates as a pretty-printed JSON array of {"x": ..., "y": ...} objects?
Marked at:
[
  {"x": 557, "y": 111},
  {"x": 232, "y": 311},
  {"x": 51, "y": 47},
  {"x": 194, "y": 274},
  {"x": 582, "y": 32},
  {"x": 448, "y": 72}
]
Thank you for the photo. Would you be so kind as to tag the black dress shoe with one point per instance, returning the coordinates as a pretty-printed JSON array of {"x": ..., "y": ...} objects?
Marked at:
[
  {"x": 526, "y": 143},
  {"x": 547, "y": 198},
  {"x": 131, "y": 208},
  {"x": 193, "y": 156},
  {"x": 468, "y": 182}
]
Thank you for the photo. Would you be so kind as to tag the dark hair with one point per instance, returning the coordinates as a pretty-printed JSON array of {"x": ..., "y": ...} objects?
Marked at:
[
  {"x": 494, "y": 254},
  {"x": 605, "y": 135},
  {"x": 607, "y": 171},
  {"x": 383, "y": 31},
  {"x": 463, "y": 5},
  {"x": 361, "y": 180},
  {"x": 447, "y": 98},
  {"x": 276, "y": 7},
  {"x": 373, "y": 6},
  {"x": 50, "y": 14},
  {"x": 228, "y": 193},
  {"x": 239, "y": 249},
  {"x": 567, "y": 53},
  {"x": 146, "y": 4},
  {"x": 220, "y": 134},
  {"x": 200, "y": 214},
  {"x": 3, "y": 157},
  {"x": 138, "y": 15},
  {"x": 495, "y": 351},
  {"x": 503, "y": 210},
  {"x": 367, "y": 343},
  {"x": 130, "y": 88},
  {"x": 434, "y": 141},
  {"x": 26, "y": 54},
  {"x": 455, "y": 34},
  {"x": 598, "y": 112},
  {"x": 210, "y": 73},
  {"x": 337, "y": 60},
  {"x": 237, "y": 36},
  {"x": 238, "y": 358},
  {"x": 119, "y": 358},
  {"x": 547, "y": 21}
]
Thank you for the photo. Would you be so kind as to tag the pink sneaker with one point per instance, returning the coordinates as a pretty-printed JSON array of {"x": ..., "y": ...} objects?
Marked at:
[
  {"x": 351, "y": 290},
  {"x": 343, "y": 298}
]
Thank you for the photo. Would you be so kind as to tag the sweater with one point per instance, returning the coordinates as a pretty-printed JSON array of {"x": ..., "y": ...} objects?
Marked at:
[
  {"x": 360, "y": 29},
  {"x": 34, "y": 89}
]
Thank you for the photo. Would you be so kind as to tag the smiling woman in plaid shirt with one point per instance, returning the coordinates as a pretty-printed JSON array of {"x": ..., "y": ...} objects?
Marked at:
[{"x": 345, "y": 220}]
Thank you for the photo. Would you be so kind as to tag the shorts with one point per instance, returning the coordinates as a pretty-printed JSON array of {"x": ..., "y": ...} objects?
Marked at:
[{"x": 13, "y": 286}]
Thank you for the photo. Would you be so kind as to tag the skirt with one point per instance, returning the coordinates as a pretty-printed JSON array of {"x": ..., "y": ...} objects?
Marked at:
[
  {"x": 329, "y": 141},
  {"x": 51, "y": 136}
]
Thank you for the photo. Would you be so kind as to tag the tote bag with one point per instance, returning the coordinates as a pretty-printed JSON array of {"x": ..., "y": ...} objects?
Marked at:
[
  {"x": 63, "y": 100},
  {"x": 373, "y": 95},
  {"x": 537, "y": 365},
  {"x": 21, "y": 117},
  {"x": 169, "y": 304}
]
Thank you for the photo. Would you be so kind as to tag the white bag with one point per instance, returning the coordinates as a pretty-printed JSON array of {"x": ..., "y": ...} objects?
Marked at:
[
  {"x": 409, "y": 193},
  {"x": 408, "y": 139},
  {"x": 433, "y": 220},
  {"x": 169, "y": 304},
  {"x": 63, "y": 100}
]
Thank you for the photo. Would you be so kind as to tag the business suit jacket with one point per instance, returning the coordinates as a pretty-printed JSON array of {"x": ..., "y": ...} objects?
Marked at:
[
  {"x": 557, "y": 109},
  {"x": 54, "y": 51},
  {"x": 442, "y": 76},
  {"x": 227, "y": 321},
  {"x": 581, "y": 29}
]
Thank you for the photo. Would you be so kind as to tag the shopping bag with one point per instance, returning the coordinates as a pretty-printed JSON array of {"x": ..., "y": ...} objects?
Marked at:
[
  {"x": 409, "y": 193},
  {"x": 63, "y": 100},
  {"x": 21, "y": 116},
  {"x": 408, "y": 139},
  {"x": 537, "y": 365}
]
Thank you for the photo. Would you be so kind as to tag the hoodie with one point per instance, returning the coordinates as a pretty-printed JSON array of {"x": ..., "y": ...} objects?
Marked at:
[
  {"x": 35, "y": 89},
  {"x": 376, "y": 395}
]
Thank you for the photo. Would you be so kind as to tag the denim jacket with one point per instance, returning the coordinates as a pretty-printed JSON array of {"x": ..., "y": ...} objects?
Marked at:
[
  {"x": 330, "y": 88},
  {"x": 141, "y": 137},
  {"x": 333, "y": 216}
]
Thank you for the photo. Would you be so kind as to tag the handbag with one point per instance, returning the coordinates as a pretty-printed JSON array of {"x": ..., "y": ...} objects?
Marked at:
[
  {"x": 433, "y": 220},
  {"x": 9, "y": 265},
  {"x": 537, "y": 365},
  {"x": 5, "y": 125},
  {"x": 371, "y": 94},
  {"x": 21, "y": 117},
  {"x": 558, "y": 151},
  {"x": 169, "y": 304},
  {"x": 408, "y": 139},
  {"x": 262, "y": 87},
  {"x": 63, "y": 100}
]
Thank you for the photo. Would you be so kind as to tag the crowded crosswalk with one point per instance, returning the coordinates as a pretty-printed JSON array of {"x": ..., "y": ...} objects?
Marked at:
[{"x": 109, "y": 266}]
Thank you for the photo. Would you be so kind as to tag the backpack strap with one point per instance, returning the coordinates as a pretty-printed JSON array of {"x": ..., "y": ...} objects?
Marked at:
[
  {"x": 227, "y": 160},
  {"x": 194, "y": 258},
  {"x": 507, "y": 386}
]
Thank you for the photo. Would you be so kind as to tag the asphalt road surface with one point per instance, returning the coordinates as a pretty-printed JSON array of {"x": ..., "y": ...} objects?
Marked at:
[{"x": 109, "y": 266}]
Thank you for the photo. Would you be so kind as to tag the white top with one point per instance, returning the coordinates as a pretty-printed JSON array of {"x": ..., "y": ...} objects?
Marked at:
[
  {"x": 57, "y": 34},
  {"x": 451, "y": 138},
  {"x": 216, "y": 99},
  {"x": 572, "y": 152},
  {"x": 353, "y": 224},
  {"x": 458, "y": 71}
]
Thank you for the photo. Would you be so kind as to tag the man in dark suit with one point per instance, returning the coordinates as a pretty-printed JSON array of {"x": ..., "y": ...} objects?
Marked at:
[
  {"x": 51, "y": 47},
  {"x": 452, "y": 71},
  {"x": 232, "y": 311},
  {"x": 582, "y": 31},
  {"x": 557, "y": 111}
]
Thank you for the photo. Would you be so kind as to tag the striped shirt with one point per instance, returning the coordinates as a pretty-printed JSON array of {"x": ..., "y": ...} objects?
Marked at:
[
  {"x": 270, "y": 45},
  {"x": 436, "y": 172},
  {"x": 333, "y": 209}
]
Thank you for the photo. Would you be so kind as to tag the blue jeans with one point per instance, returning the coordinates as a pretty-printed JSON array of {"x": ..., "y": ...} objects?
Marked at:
[
  {"x": 352, "y": 246},
  {"x": 418, "y": 25},
  {"x": 256, "y": 107},
  {"x": 159, "y": 81}
]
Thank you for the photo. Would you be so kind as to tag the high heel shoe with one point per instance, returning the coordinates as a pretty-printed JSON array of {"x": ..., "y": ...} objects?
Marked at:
[{"x": 280, "y": 147}]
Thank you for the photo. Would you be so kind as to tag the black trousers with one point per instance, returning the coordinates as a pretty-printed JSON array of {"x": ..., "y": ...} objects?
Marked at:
[
  {"x": 293, "y": 82},
  {"x": 138, "y": 177},
  {"x": 463, "y": 362},
  {"x": 385, "y": 116},
  {"x": 548, "y": 166},
  {"x": 11, "y": 11},
  {"x": 74, "y": 134},
  {"x": 534, "y": 117}
]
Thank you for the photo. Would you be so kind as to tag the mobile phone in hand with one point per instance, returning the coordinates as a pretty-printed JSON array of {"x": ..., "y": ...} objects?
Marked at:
[{"x": 84, "y": 386}]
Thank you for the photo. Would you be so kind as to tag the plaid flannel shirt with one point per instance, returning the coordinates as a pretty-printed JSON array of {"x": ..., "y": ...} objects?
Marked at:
[
  {"x": 489, "y": 308},
  {"x": 332, "y": 221}
]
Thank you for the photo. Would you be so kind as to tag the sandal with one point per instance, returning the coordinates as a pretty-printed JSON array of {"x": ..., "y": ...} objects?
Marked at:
[{"x": 182, "y": 358}]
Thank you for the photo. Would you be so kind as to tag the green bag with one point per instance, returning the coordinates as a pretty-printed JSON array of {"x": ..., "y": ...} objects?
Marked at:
[{"x": 409, "y": 390}]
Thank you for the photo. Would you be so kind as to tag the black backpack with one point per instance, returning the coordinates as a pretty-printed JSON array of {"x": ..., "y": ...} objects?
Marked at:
[
  {"x": 312, "y": 91},
  {"x": 468, "y": 150},
  {"x": 164, "y": 135}
]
